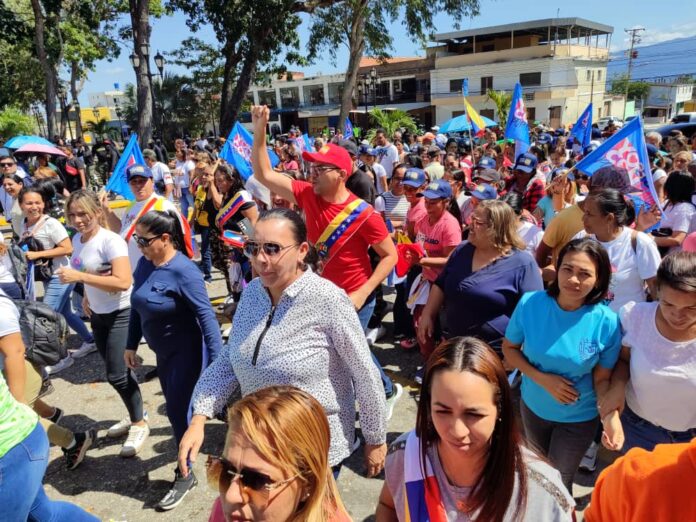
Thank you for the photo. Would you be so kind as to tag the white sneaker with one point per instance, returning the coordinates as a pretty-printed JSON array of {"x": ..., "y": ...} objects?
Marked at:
[
  {"x": 375, "y": 334},
  {"x": 121, "y": 427},
  {"x": 137, "y": 435},
  {"x": 391, "y": 401},
  {"x": 589, "y": 460},
  {"x": 83, "y": 350},
  {"x": 61, "y": 365}
]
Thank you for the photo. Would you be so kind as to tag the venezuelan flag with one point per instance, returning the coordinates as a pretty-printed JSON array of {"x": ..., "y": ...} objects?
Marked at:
[
  {"x": 422, "y": 500},
  {"x": 477, "y": 123}
]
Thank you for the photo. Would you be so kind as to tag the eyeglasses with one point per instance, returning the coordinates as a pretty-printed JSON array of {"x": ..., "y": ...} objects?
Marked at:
[
  {"x": 253, "y": 248},
  {"x": 6, "y": 164},
  {"x": 254, "y": 485},
  {"x": 315, "y": 171},
  {"x": 144, "y": 242}
]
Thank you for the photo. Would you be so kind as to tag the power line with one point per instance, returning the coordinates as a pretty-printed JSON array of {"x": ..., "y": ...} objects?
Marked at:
[{"x": 635, "y": 39}]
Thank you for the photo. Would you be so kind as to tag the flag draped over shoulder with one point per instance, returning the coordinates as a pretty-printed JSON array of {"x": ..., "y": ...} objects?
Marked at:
[
  {"x": 582, "y": 130},
  {"x": 237, "y": 151},
  {"x": 131, "y": 155},
  {"x": 517, "y": 127},
  {"x": 625, "y": 150}
]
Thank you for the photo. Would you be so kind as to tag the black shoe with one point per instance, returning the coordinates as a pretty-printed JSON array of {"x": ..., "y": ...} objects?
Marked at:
[
  {"x": 180, "y": 488},
  {"x": 152, "y": 374},
  {"x": 75, "y": 455}
]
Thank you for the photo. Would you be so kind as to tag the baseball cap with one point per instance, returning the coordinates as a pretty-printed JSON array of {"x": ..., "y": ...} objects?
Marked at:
[
  {"x": 138, "y": 170},
  {"x": 486, "y": 162},
  {"x": 429, "y": 136},
  {"x": 652, "y": 149},
  {"x": 437, "y": 189},
  {"x": 414, "y": 178},
  {"x": 333, "y": 155},
  {"x": 526, "y": 162},
  {"x": 149, "y": 153},
  {"x": 484, "y": 191},
  {"x": 350, "y": 146},
  {"x": 560, "y": 170},
  {"x": 544, "y": 139},
  {"x": 488, "y": 175}
]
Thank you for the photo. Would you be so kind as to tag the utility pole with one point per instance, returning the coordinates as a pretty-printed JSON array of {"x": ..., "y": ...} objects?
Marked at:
[
  {"x": 592, "y": 88},
  {"x": 635, "y": 39}
]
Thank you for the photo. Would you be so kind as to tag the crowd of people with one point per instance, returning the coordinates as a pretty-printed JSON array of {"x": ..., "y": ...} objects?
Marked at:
[{"x": 511, "y": 275}]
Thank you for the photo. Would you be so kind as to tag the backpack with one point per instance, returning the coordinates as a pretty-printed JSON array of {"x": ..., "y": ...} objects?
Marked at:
[
  {"x": 20, "y": 265},
  {"x": 44, "y": 332}
]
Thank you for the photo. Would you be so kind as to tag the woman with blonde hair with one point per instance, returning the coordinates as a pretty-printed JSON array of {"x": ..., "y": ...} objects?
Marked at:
[
  {"x": 486, "y": 276},
  {"x": 275, "y": 465}
]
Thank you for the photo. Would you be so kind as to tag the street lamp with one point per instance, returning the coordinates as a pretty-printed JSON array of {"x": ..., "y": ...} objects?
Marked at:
[
  {"x": 78, "y": 118},
  {"x": 374, "y": 80},
  {"x": 63, "y": 98},
  {"x": 159, "y": 62},
  {"x": 134, "y": 60}
]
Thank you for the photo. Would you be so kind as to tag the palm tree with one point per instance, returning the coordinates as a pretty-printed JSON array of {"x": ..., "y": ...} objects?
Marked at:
[
  {"x": 390, "y": 121},
  {"x": 502, "y": 101},
  {"x": 102, "y": 128}
]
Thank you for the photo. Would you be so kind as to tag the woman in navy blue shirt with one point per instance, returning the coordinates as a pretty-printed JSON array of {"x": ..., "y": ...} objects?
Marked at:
[
  {"x": 170, "y": 307},
  {"x": 484, "y": 278}
]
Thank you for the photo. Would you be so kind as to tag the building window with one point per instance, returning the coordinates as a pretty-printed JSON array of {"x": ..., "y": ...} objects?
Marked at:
[
  {"x": 528, "y": 96},
  {"x": 313, "y": 94},
  {"x": 599, "y": 75},
  {"x": 290, "y": 97},
  {"x": 486, "y": 84},
  {"x": 335, "y": 92},
  {"x": 531, "y": 114},
  {"x": 456, "y": 85},
  {"x": 268, "y": 98},
  {"x": 530, "y": 79}
]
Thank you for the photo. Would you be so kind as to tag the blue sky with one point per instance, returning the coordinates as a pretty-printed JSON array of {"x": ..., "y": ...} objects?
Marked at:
[{"x": 662, "y": 20}]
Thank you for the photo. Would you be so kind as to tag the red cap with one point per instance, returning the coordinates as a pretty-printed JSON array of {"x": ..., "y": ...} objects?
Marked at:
[
  {"x": 333, "y": 155},
  {"x": 403, "y": 263}
]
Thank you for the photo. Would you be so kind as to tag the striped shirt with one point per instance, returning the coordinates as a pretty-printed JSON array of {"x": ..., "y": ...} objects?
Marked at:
[{"x": 393, "y": 207}]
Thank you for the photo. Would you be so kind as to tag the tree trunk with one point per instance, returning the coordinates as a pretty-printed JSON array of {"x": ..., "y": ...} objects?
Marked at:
[
  {"x": 49, "y": 73},
  {"x": 357, "y": 46},
  {"x": 74, "y": 93},
  {"x": 140, "y": 15},
  {"x": 231, "y": 58}
]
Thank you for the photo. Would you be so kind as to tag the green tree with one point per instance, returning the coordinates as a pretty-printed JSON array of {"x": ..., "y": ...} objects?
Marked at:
[
  {"x": 390, "y": 121},
  {"x": 14, "y": 122},
  {"x": 636, "y": 90},
  {"x": 502, "y": 101},
  {"x": 102, "y": 129},
  {"x": 179, "y": 107},
  {"x": 361, "y": 25}
]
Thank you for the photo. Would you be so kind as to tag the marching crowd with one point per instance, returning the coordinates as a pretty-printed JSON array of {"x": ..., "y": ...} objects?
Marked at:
[{"x": 508, "y": 272}]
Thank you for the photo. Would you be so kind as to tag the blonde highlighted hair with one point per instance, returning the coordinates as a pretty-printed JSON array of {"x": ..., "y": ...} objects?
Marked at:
[
  {"x": 89, "y": 202},
  {"x": 503, "y": 225},
  {"x": 289, "y": 429}
]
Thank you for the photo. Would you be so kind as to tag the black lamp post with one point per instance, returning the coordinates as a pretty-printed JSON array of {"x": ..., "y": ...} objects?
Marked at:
[
  {"x": 374, "y": 79},
  {"x": 78, "y": 119},
  {"x": 159, "y": 62},
  {"x": 63, "y": 98}
]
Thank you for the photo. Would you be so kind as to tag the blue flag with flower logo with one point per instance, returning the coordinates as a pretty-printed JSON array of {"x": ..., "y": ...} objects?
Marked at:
[
  {"x": 517, "y": 127},
  {"x": 237, "y": 151},
  {"x": 132, "y": 155}
]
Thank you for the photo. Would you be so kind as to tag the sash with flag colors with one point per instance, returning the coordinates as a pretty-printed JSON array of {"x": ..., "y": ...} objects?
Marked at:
[
  {"x": 625, "y": 149},
  {"x": 230, "y": 209},
  {"x": 582, "y": 130},
  {"x": 517, "y": 127},
  {"x": 477, "y": 123},
  {"x": 348, "y": 129},
  {"x": 422, "y": 500},
  {"x": 237, "y": 151},
  {"x": 341, "y": 228},
  {"x": 131, "y": 155}
]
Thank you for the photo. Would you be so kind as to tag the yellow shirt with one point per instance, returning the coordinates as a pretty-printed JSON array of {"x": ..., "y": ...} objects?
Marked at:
[{"x": 562, "y": 228}]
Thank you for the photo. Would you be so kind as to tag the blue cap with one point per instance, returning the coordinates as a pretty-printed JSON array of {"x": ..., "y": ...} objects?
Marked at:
[
  {"x": 589, "y": 149},
  {"x": 437, "y": 189},
  {"x": 486, "y": 162},
  {"x": 484, "y": 191},
  {"x": 544, "y": 139},
  {"x": 652, "y": 149},
  {"x": 138, "y": 170},
  {"x": 365, "y": 149},
  {"x": 526, "y": 162},
  {"x": 559, "y": 170},
  {"x": 414, "y": 178}
]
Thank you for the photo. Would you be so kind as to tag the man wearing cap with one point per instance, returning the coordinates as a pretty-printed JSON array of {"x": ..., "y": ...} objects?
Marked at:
[
  {"x": 161, "y": 176},
  {"x": 359, "y": 182},
  {"x": 387, "y": 152},
  {"x": 322, "y": 200},
  {"x": 368, "y": 155},
  {"x": 139, "y": 179},
  {"x": 527, "y": 182},
  {"x": 435, "y": 169}
]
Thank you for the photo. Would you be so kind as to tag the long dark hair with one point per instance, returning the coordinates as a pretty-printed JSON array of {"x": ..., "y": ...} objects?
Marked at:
[
  {"x": 595, "y": 251},
  {"x": 492, "y": 494},
  {"x": 299, "y": 231},
  {"x": 231, "y": 174},
  {"x": 679, "y": 187},
  {"x": 611, "y": 201},
  {"x": 678, "y": 271},
  {"x": 39, "y": 189},
  {"x": 161, "y": 222}
]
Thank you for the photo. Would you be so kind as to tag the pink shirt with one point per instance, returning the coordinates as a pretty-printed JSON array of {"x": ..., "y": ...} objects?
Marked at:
[
  {"x": 446, "y": 232},
  {"x": 415, "y": 213}
]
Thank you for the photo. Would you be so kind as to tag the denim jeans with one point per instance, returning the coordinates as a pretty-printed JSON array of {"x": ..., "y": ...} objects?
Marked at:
[
  {"x": 186, "y": 202},
  {"x": 206, "y": 253},
  {"x": 12, "y": 290},
  {"x": 57, "y": 296},
  {"x": 641, "y": 433},
  {"x": 22, "y": 496},
  {"x": 110, "y": 336},
  {"x": 364, "y": 315},
  {"x": 563, "y": 443}
]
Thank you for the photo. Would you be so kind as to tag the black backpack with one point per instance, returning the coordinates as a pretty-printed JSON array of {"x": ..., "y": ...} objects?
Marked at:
[
  {"x": 20, "y": 265},
  {"x": 44, "y": 332}
]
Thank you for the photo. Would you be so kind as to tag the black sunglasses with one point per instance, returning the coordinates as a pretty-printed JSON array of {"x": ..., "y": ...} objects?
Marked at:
[
  {"x": 145, "y": 241},
  {"x": 221, "y": 472},
  {"x": 6, "y": 164},
  {"x": 252, "y": 248}
]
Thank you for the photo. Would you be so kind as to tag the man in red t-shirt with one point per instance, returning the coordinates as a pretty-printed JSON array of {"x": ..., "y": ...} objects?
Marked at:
[{"x": 322, "y": 199}]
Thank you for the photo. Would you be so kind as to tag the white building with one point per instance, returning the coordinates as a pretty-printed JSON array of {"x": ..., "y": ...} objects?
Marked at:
[
  {"x": 560, "y": 63},
  {"x": 666, "y": 100}
]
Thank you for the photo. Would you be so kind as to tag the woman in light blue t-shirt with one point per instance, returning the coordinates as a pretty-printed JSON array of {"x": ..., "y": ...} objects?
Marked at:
[{"x": 566, "y": 362}]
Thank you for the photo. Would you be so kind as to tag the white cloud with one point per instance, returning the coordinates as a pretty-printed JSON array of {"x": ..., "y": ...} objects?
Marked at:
[
  {"x": 652, "y": 36},
  {"x": 114, "y": 70}
]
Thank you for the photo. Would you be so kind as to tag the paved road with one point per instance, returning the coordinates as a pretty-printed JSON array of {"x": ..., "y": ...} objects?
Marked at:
[{"x": 118, "y": 489}]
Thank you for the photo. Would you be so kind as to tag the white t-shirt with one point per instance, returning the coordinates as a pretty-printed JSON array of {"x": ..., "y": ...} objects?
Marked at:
[
  {"x": 662, "y": 386},
  {"x": 184, "y": 168},
  {"x": 680, "y": 217},
  {"x": 161, "y": 174},
  {"x": 6, "y": 270},
  {"x": 531, "y": 235},
  {"x": 9, "y": 321},
  {"x": 134, "y": 253},
  {"x": 50, "y": 232},
  {"x": 380, "y": 174},
  {"x": 95, "y": 257},
  {"x": 389, "y": 157}
]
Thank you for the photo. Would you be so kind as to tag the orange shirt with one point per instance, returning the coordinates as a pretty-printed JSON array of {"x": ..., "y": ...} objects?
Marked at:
[{"x": 655, "y": 486}]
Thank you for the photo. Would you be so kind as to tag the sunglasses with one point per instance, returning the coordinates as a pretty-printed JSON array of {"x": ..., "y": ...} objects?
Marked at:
[
  {"x": 253, "y": 248},
  {"x": 254, "y": 485},
  {"x": 6, "y": 164},
  {"x": 144, "y": 242}
]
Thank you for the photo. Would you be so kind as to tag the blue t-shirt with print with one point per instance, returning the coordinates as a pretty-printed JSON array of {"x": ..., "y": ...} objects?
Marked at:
[{"x": 569, "y": 344}]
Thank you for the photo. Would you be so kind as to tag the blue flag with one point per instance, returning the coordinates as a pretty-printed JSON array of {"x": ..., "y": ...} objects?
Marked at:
[
  {"x": 130, "y": 156},
  {"x": 237, "y": 151},
  {"x": 582, "y": 130},
  {"x": 348, "y": 129},
  {"x": 625, "y": 150},
  {"x": 517, "y": 128}
]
